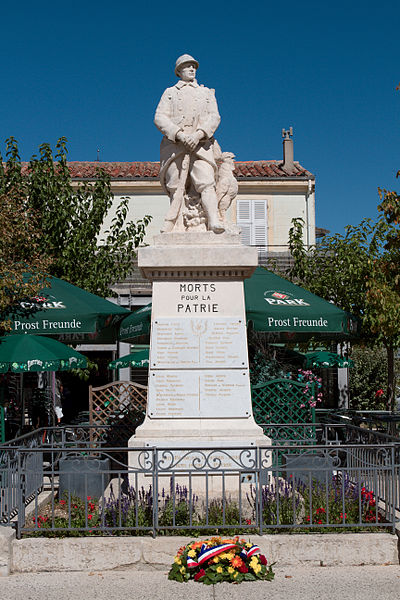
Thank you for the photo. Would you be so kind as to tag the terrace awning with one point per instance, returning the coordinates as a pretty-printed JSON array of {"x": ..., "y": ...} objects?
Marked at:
[
  {"x": 135, "y": 359},
  {"x": 67, "y": 312},
  {"x": 289, "y": 312},
  {"x": 26, "y": 353}
]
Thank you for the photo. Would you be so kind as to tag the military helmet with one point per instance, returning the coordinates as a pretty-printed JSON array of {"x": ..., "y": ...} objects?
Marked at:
[{"x": 185, "y": 58}]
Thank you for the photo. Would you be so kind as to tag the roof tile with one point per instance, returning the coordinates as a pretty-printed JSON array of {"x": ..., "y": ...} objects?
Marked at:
[{"x": 264, "y": 169}]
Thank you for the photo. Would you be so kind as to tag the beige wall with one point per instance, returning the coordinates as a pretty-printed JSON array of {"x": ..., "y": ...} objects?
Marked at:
[{"x": 285, "y": 200}]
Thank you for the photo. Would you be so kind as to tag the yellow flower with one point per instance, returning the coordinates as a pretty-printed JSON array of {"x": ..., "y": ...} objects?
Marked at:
[
  {"x": 254, "y": 559},
  {"x": 177, "y": 560},
  {"x": 219, "y": 569},
  {"x": 216, "y": 559},
  {"x": 235, "y": 574},
  {"x": 248, "y": 545},
  {"x": 191, "y": 553},
  {"x": 256, "y": 568},
  {"x": 231, "y": 570},
  {"x": 182, "y": 569},
  {"x": 254, "y": 564}
]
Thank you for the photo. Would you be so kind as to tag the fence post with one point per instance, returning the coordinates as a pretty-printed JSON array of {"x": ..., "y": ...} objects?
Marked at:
[
  {"x": 393, "y": 499},
  {"x": 155, "y": 491},
  {"x": 21, "y": 494},
  {"x": 259, "y": 490}
]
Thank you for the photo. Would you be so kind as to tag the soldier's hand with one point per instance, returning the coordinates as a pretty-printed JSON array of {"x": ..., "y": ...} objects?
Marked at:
[{"x": 191, "y": 141}]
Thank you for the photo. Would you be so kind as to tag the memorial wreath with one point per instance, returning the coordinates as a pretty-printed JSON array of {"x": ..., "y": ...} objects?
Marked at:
[{"x": 216, "y": 560}]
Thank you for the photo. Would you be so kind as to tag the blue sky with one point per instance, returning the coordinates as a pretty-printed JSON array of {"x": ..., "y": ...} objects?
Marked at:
[{"x": 94, "y": 71}]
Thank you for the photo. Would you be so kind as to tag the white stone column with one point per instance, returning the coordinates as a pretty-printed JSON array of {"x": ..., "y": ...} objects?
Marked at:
[{"x": 199, "y": 385}]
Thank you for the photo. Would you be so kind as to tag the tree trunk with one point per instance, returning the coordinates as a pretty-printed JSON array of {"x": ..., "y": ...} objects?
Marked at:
[{"x": 391, "y": 378}]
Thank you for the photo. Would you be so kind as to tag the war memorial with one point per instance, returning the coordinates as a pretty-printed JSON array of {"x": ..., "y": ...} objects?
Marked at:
[{"x": 199, "y": 386}]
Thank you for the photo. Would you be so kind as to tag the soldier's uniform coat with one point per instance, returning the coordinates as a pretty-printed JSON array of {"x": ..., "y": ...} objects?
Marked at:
[{"x": 187, "y": 107}]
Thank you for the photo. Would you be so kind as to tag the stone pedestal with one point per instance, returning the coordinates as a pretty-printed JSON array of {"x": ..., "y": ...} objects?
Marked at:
[{"x": 199, "y": 386}]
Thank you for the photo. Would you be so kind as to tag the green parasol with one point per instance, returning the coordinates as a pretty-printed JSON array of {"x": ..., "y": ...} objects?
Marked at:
[
  {"x": 327, "y": 359},
  {"x": 26, "y": 353},
  {"x": 67, "y": 312},
  {"x": 289, "y": 312},
  {"x": 136, "y": 359},
  {"x": 136, "y": 325}
]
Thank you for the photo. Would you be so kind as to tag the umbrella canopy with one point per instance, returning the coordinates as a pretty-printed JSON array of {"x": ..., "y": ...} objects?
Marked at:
[
  {"x": 327, "y": 359},
  {"x": 137, "y": 324},
  {"x": 275, "y": 306},
  {"x": 136, "y": 359},
  {"x": 67, "y": 312},
  {"x": 289, "y": 312},
  {"x": 23, "y": 353}
]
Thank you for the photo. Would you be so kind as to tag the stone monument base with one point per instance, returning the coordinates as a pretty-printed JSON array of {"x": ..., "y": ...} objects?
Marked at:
[
  {"x": 199, "y": 414},
  {"x": 211, "y": 457}
]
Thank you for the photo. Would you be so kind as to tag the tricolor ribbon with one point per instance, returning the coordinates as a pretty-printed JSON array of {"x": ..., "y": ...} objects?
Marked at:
[
  {"x": 208, "y": 553},
  {"x": 250, "y": 552}
]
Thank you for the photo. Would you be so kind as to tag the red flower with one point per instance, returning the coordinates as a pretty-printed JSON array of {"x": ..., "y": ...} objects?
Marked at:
[
  {"x": 243, "y": 569},
  {"x": 248, "y": 521},
  {"x": 89, "y": 516},
  {"x": 263, "y": 560},
  {"x": 199, "y": 575}
]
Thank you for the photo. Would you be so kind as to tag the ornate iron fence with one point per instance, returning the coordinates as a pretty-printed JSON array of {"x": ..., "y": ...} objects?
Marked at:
[{"x": 91, "y": 491}]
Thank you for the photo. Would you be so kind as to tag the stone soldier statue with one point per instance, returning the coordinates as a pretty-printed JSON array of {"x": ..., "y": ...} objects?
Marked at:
[{"x": 188, "y": 116}]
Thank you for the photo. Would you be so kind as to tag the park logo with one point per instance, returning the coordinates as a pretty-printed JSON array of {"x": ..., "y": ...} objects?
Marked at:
[
  {"x": 280, "y": 298},
  {"x": 40, "y": 302}
]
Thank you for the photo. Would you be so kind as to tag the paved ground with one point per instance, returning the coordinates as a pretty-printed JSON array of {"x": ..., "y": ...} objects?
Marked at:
[{"x": 291, "y": 583}]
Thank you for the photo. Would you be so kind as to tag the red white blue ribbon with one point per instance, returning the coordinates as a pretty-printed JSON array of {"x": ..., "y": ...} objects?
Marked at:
[
  {"x": 250, "y": 552},
  {"x": 207, "y": 553}
]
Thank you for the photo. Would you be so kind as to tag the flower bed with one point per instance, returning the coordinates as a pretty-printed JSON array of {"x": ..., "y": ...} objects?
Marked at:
[
  {"x": 217, "y": 560},
  {"x": 285, "y": 506}
]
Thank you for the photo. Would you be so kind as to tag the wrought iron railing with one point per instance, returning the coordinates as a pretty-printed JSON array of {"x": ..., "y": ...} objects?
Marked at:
[{"x": 93, "y": 489}]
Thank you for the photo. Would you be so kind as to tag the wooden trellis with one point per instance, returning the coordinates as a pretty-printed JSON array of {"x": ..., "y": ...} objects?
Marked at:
[{"x": 121, "y": 404}]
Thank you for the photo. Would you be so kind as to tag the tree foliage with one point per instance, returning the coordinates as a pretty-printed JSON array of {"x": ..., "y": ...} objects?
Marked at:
[
  {"x": 359, "y": 272},
  {"x": 368, "y": 378},
  {"x": 70, "y": 218},
  {"x": 19, "y": 253}
]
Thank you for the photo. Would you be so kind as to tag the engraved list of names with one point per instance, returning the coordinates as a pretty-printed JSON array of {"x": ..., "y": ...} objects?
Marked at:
[{"x": 198, "y": 343}]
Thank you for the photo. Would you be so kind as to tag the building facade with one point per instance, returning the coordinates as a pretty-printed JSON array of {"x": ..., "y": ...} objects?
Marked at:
[{"x": 271, "y": 193}]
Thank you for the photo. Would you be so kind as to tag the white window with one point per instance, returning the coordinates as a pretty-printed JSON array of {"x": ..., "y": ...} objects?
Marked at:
[{"x": 251, "y": 217}]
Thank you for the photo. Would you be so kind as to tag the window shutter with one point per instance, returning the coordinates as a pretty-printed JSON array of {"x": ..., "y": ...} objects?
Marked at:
[
  {"x": 243, "y": 219},
  {"x": 243, "y": 211},
  {"x": 245, "y": 234},
  {"x": 260, "y": 223},
  {"x": 252, "y": 219}
]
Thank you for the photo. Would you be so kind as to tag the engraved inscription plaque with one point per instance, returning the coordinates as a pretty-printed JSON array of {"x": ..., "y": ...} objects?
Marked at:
[
  {"x": 196, "y": 393},
  {"x": 198, "y": 343},
  {"x": 208, "y": 299}
]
